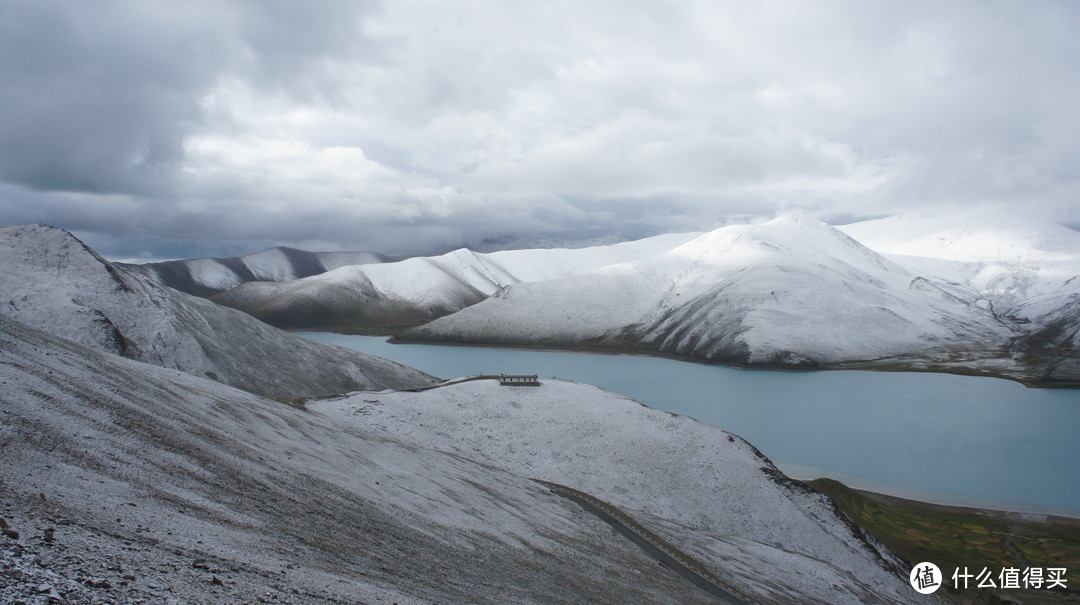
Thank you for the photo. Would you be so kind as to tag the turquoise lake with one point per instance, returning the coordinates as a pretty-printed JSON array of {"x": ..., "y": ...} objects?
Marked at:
[{"x": 935, "y": 437}]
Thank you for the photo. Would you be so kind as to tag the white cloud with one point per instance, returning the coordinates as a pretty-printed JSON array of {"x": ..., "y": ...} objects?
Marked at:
[{"x": 455, "y": 120}]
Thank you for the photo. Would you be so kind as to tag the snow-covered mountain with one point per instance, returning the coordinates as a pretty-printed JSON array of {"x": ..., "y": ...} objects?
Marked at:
[
  {"x": 128, "y": 482},
  {"x": 388, "y": 297},
  {"x": 795, "y": 291},
  {"x": 207, "y": 276},
  {"x": 1027, "y": 270},
  {"x": 789, "y": 291},
  {"x": 1023, "y": 267},
  {"x": 52, "y": 281}
]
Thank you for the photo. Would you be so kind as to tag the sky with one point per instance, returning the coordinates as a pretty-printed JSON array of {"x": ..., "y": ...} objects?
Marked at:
[{"x": 157, "y": 129}]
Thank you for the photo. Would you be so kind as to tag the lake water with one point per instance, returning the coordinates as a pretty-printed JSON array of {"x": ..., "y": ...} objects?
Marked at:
[{"x": 935, "y": 437}]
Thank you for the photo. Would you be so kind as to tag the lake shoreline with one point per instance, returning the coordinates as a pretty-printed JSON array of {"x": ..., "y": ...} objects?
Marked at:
[
  {"x": 889, "y": 364},
  {"x": 931, "y": 501},
  {"x": 981, "y": 368},
  {"x": 937, "y": 508}
]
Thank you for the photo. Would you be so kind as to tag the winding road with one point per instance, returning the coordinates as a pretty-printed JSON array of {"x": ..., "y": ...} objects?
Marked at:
[
  {"x": 671, "y": 557},
  {"x": 447, "y": 383},
  {"x": 656, "y": 547}
]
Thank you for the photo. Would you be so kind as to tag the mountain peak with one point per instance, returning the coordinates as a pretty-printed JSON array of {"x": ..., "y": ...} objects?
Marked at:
[
  {"x": 46, "y": 243},
  {"x": 787, "y": 238}
]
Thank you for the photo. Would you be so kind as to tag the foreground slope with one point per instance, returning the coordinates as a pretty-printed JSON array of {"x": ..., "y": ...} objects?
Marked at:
[
  {"x": 162, "y": 485},
  {"x": 674, "y": 472},
  {"x": 789, "y": 292},
  {"x": 385, "y": 298},
  {"x": 52, "y": 281},
  {"x": 183, "y": 488},
  {"x": 207, "y": 276}
]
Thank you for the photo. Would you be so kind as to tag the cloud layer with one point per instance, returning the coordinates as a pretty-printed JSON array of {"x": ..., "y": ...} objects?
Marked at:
[{"x": 414, "y": 125}]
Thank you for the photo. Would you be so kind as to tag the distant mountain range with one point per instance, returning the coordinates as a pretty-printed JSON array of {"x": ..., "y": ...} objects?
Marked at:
[
  {"x": 208, "y": 276},
  {"x": 388, "y": 297},
  {"x": 497, "y": 244},
  {"x": 959, "y": 293}
]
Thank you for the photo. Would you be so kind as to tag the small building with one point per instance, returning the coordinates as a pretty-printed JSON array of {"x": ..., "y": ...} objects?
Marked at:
[{"x": 519, "y": 380}]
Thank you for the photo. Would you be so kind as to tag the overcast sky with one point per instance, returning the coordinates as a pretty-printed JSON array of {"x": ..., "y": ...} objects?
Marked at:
[{"x": 172, "y": 129}]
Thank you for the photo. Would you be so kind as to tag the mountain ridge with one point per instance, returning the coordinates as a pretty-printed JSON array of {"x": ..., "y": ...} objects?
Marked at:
[
  {"x": 53, "y": 281},
  {"x": 387, "y": 297},
  {"x": 208, "y": 276}
]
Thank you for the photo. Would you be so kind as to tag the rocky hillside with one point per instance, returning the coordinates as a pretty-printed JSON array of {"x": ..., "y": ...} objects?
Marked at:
[{"x": 52, "y": 281}]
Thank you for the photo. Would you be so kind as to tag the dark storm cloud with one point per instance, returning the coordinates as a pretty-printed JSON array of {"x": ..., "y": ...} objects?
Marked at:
[
  {"x": 99, "y": 97},
  {"x": 418, "y": 124},
  {"x": 93, "y": 102}
]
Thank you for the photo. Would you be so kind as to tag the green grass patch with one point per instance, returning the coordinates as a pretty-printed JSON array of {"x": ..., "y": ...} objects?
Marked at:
[{"x": 952, "y": 537}]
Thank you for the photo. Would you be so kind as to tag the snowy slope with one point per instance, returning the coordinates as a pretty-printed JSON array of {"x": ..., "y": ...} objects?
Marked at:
[
  {"x": 790, "y": 291},
  {"x": 167, "y": 486},
  {"x": 657, "y": 464},
  {"x": 1022, "y": 265},
  {"x": 206, "y": 276},
  {"x": 383, "y": 297},
  {"x": 1024, "y": 269},
  {"x": 52, "y": 281}
]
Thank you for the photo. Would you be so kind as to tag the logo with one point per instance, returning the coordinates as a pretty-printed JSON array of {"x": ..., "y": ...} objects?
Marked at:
[{"x": 925, "y": 578}]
